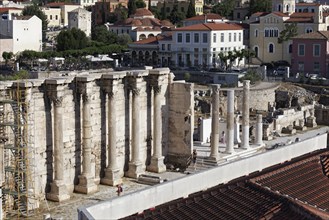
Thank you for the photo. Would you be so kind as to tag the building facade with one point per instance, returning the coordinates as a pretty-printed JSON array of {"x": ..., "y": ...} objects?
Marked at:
[
  {"x": 81, "y": 19},
  {"x": 24, "y": 31},
  {"x": 200, "y": 44},
  {"x": 310, "y": 53},
  {"x": 265, "y": 28}
]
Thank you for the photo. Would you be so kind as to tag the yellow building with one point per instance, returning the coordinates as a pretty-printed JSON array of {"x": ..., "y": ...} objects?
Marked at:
[
  {"x": 265, "y": 28},
  {"x": 182, "y": 6}
]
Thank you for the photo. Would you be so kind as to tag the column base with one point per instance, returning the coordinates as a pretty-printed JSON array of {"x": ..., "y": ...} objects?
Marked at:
[
  {"x": 112, "y": 177},
  {"x": 213, "y": 159},
  {"x": 135, "y": 169},
  {"x": 58, "y": 192},
  {"x": 157, "y": 165},
  {"x": 86, "y": 185}
]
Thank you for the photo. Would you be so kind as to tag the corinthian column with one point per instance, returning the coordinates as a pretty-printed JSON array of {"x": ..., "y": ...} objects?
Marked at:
[
  {"x": 157, "y": 164},
  {"x": 86, "y": 180},
  {"x": 112, "y": 172},
  {"x": 230, "y": 122},
  {"x": 59, "y": 190},
  {"x": 135, "y": 165},
  {"x": 214, "y": 123},
  {"x": 245, "y": 115}
]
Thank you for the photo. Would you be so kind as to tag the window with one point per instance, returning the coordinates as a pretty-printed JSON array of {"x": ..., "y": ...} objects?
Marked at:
[
  {"x": 239, "y": 37},
  {"x": 301, "y": 49},
  {"x": 229, "y": 37},
  {"x": 163, "y": 46},
  {"x": 308, "y": 30},
  {"x": 290, "y": 48},
  {"x": 169, "y": 47},
  {"x": 205, "y": 38},
  {"x": 188, "y": 38},
  {"x": 51, "y": 17},
  {"x": 316, "y": 50},
  {"x": 234, "y": 37},
  {"x": 214, "y": 38},
  {"x": 196, "y": 38},
  {"x": 316, "y": 67},
  {"x": 179, "y": 37},
  {"x": 256, "y": 33},
  {"x": 56, "y": 17},
  {"x": 271, "y": 48},
  {"x": 222, "y": 37}
]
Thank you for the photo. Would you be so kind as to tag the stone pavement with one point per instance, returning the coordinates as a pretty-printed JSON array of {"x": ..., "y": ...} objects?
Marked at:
[{"x": 68, "y": 209}]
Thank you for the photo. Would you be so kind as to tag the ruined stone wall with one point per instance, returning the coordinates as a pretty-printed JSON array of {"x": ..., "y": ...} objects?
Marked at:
[{"x": 176, "y": 103}]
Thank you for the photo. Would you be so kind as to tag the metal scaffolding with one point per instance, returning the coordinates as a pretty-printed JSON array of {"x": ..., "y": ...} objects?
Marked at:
[{"x": 16, "y": 173}]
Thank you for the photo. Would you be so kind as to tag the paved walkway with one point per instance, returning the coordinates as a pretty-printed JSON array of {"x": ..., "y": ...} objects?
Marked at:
[{"x": 68, "y": 209}]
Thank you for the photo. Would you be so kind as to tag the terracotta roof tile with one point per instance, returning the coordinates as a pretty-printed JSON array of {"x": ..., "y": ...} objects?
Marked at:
[
  {"x": 209, "y": 26},
  {"x": 2, "y": 10},
  {"x": 202, "y": 17},
  {"x": 142, "y": 12}
]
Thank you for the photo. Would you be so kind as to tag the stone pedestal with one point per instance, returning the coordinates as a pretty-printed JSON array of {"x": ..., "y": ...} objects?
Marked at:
[
  {"x": 112, "y": 177},
  {"x": 58, "y": 192},
  {"x": 311, "y": 122},
  {"x": 135, "y": 169},
  {"x": 157, "y": 165},
  {"x": 86, "y": 185}
]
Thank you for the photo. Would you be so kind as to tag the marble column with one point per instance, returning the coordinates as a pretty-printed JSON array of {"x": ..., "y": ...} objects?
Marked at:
[
  {"x": 230, "y": 122},
  {"x": 214, "y": 142},
  {"x": 86, "y": 180},
  {"x": 157, "y": 164},
  {"x": 245, "y": 115},
  {"x": 135, "y": 164},
  {"x": 58, "y": 190},
  {"x": 259, "y": 130},
  {"x": 112, "y": 172},
  {"x": 237, "y": 139}
]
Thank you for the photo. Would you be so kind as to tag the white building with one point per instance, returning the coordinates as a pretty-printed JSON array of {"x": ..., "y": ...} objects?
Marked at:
[
  {"x": 81, "y": 19},
  {"x": 20, "y": 33},
  {"x": 200, "y": 44},
  {"x": 53, "y": 16}
]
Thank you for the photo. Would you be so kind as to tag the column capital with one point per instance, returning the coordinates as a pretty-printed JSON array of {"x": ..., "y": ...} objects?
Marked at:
[
  {"x": 215, "y": 88},
  {"x": 246, "y": 84}
]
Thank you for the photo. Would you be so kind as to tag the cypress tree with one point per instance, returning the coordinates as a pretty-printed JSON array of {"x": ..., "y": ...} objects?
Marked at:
[
  {"x": 131, "y": 7},
  {"x": 190, "y": 10}
]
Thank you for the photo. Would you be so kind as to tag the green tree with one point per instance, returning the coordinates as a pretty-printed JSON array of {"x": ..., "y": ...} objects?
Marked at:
[
  {"x": 124, "y": 39},
  {"x": 259, "y": 6},
  {"x": 102, "y": 35},
  {"x": 190, "y": 10},
  {"x": 175, "y": 15},
  {"x": 156, "y": 12},
  {"x": 35, "y": 10},
  {"x": 7, "y": 56},
  {"x": 223, "y": 58},
  {"x": 231, "y": 55},
  {"x": 163, "y": 11},
  {"x": 289, "y": 31},
  {"x": 140, "y": 4},
  {"x": 71, "y": 39},
  {"x": 225, "y": 8},
  {"x": 131, "y": 7}
]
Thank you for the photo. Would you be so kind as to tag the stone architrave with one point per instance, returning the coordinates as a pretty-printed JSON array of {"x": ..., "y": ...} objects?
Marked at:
[
  {"x": 135, "y": 165},
  {"x": 157, "y": 164},
  {"x": 112, "y": 172},
  {"x": 245, "y": 115},
  {"x": 259, "y": 130},
  {"x": 214, "y": 140},
  {"x": 230, "y": 122},
  {"x": 59, "y": 191},
  {"x": 86, "y": 180}
]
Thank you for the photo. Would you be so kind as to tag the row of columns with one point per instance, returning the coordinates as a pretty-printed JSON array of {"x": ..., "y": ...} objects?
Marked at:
[
  {"x": 231, "y": 136},
  {"x": 59, "y": 191}
]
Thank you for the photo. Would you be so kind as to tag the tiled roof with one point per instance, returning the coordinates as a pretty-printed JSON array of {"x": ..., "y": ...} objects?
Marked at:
[
  {"x": 142, "y": 12},
  {"x": 2, "y": 10},
  {"x": 202, "y": 17},
  {"x": 307, "y": 4},
  {"x": 153, "y": 40},
  {"x": 241, "y": 200},
  {"x": 209, "y": 26},
  {"x": 314, "y": 35},
  {"x": 143, "y": 22},
  {"x": 305, "y": 181},
  {"x": 299, "y": 20},
  {"x": 281, "y": 192},
  {"x": 57, "y": 4},
  {"x": 302, "y": 15}
]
